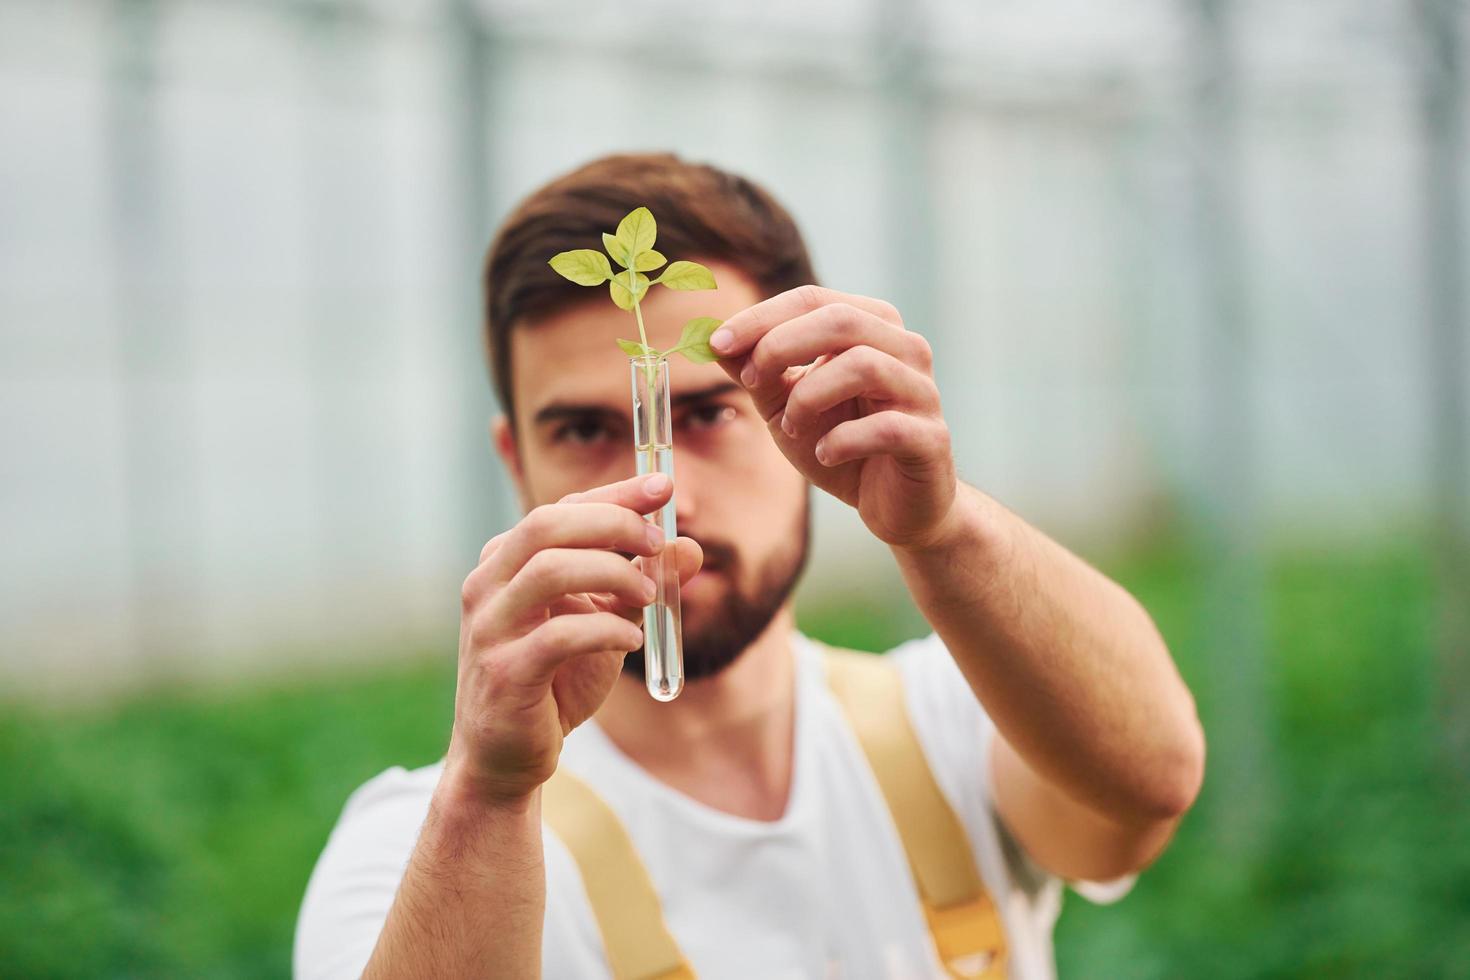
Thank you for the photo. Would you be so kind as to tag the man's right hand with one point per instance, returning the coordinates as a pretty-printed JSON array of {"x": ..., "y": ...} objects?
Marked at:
[{"x": 547, "y": 618}]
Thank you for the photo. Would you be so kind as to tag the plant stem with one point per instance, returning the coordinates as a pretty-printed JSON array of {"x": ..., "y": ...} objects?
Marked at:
[
  {"x": 652, "y": 366},
  {"x": 638, "y": 312}
]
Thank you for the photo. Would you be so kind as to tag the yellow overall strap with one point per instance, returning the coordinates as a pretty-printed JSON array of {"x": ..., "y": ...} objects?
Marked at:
[
  {"x": 962, "y": 918},
  {"x": 638, "y": 943}
]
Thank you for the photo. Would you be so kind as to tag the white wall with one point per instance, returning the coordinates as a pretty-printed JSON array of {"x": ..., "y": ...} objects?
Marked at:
[{"x": 241, "y": 410}]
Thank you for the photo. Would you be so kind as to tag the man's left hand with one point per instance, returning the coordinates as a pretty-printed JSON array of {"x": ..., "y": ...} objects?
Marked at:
[{"x": 848, "y": 394}]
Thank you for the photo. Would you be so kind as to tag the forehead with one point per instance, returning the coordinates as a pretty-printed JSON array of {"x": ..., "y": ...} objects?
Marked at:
[{"x": 572, "y": 355}]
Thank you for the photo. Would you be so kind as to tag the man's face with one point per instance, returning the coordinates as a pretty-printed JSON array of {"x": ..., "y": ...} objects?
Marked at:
[{"x": 734, "y": 491}]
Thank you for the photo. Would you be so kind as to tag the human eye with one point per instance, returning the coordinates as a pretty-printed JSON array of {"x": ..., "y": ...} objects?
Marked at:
[
  {"x": 581, "y": 432},
  {"x": 708, "y": 416}
]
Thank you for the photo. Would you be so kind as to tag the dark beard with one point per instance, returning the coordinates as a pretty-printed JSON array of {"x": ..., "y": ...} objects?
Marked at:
[{"x": 739, "y": 618}]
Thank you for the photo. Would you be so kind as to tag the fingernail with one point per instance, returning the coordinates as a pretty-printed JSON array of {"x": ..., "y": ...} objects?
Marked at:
[
  {"x": 656, "y": 483},
  {"x": 649, "y": 588},
  {"x": 721, "y": 339},
  {"x": 786, "y": 425},
  {"x": 821, "y": 452},
  {"x": 747, "y": 374},
  {"x": 655, "y": 537}
]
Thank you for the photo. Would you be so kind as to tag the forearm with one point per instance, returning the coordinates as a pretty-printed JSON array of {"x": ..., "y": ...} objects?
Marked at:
[
  {"x": 1066, "y": 662},
  {"x": 473, "y": 896}
]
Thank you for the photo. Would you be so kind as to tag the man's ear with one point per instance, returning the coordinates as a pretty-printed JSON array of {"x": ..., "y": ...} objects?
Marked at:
[{"x": 503, "y": 437}]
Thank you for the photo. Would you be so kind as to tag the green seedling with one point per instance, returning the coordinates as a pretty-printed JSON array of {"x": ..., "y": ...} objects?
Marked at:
[{"x": 632, "y": 248}]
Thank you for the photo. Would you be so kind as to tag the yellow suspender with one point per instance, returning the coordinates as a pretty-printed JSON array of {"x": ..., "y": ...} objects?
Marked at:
[
  {"x": 962, "y": 919},
  {"x": 637, "y": 940}
]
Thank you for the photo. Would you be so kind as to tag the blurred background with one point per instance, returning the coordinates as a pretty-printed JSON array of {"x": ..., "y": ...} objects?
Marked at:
[{"x": 1195, "y": 271}]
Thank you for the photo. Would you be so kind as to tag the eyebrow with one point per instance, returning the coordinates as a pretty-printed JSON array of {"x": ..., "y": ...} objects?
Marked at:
[
  {"x": 699, "y": 395},
  {"x": 572, "y": 410}
]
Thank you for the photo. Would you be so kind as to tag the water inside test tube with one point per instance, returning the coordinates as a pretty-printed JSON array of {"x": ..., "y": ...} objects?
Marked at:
[
  {"x": 653, "y": 439},
  {"x": 662, "y": 659}
]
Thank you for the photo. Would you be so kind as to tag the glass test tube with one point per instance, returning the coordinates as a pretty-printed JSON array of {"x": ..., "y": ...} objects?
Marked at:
[{"x": 663, "y": 657}]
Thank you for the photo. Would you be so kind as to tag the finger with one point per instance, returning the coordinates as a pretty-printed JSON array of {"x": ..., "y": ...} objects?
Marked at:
[
  {"x": 831, "y": 329},
  {"x": 858, "y": 372},
  {"x": 580, "y": 602},
  {"x": 578, "y": 525},
  {"x": 492, "y": 545},
  {"x": 535, "y": 657},
  {"x": 690, "y": 558},
  {"x": 556, "y": 572},
  {"x": 645, "y": 494},
  {"x": 909, "y": 439},
  {"x": 735, "y": 366},
  {"x": 739, "y": 333},
  {"x": 769, "y": 397},
  {"x": 605, "y": 602}
]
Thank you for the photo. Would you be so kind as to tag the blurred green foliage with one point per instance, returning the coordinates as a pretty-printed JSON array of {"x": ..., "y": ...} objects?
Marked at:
[
  {"x": 1363, "y": 865},
  {"x": 172, "y": 835}
]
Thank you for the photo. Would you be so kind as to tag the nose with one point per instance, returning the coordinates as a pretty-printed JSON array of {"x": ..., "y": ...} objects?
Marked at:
[{"x": 685, "y": 497}]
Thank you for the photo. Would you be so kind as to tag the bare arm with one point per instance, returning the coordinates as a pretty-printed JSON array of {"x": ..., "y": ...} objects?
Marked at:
[
  {"x": 476, "y": 863},
  {"x": 1100, "y": 751},
  {"x": 546, "y": 621}
]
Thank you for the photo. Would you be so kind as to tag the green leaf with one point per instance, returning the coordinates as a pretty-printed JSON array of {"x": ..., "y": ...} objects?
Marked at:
[
  {"x": 583, "y": 266},
  {"x": 699, "y": 354},
  {"x": 634, "y": 349},
  {"x": 687, "y": 275},
  {"x": 615, "y": 249},
  {"x": 621, "y": 294},
  {"x": 648, "y": 261},
  {"x": 694, "y": 340},
  {"x": 637, "y": 231}
]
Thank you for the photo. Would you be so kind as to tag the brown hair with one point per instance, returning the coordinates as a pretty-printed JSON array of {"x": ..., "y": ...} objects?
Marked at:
[{"x": 702, "y": 212}]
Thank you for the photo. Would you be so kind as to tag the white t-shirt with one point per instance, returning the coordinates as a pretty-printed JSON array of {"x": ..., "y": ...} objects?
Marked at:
[{"x": 823, "y": 892}]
